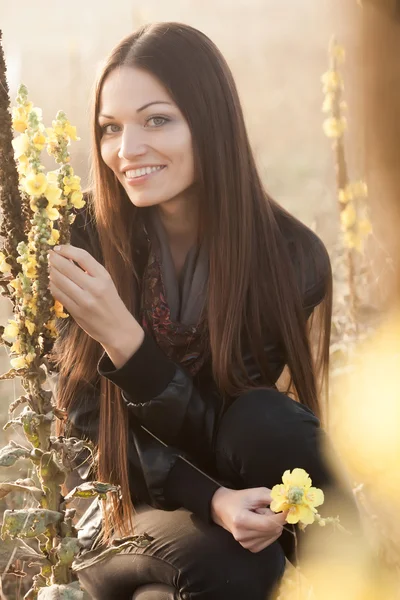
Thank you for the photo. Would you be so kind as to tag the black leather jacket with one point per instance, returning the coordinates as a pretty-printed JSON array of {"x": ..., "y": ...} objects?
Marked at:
[{"x": 174, "y": 417}]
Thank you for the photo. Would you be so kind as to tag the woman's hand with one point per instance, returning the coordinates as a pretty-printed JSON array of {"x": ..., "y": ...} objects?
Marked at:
[
  {"x": 244, "y": 514},
  {"x": 90, "y": 296}
]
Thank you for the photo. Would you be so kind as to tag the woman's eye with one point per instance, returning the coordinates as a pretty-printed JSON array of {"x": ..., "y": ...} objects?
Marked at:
[
  {"x": 110, "y": 128},
  {"x": 157, "y": 121}
]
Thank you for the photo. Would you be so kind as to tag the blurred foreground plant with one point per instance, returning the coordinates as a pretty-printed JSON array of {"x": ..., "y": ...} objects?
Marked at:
[{"x": 32, "y": 202}]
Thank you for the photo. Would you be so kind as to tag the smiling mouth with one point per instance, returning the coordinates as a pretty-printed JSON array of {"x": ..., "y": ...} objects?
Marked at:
[{"x": 136, "y": 173}]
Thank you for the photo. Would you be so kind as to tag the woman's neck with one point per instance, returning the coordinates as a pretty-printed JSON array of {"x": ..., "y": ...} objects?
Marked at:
[{"x": 180, "y": 220}]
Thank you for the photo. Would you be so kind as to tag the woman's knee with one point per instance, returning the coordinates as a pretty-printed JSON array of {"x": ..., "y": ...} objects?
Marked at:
[{"x": 263, "y": 432}]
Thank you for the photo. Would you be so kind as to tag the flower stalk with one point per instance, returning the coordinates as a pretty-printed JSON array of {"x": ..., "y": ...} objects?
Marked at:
[
  {"x": 38, "y": 210},
  {"x": 353, "y": 210}
]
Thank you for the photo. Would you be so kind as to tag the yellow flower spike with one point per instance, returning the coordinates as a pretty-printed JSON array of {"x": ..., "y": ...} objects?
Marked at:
[
  {"x": 10, "y": 331},
  {"x": 30, "y": 326},
  {"x": 348, "y": 217},
  {"x": 35, "y": 184},
  {"x": 55, "y": 236},
  {"x": 52, "y": 213},
  {"x": 4, "y": 266},
  {"x": 77, "y": 200},
  {"x": 20, "y": 145},
  {"x": 297, "y": 496},
  {"x": 334, "y": 128},
  {"x": 39, "y": 141},
  {"x": 52, "y": 193}
]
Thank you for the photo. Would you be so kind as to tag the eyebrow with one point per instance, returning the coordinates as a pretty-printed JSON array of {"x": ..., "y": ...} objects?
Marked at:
[{"x": 139, "y": 109}]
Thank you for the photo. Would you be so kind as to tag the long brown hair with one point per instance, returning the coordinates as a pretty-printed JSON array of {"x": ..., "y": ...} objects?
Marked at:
[{"x": 252, "y": 287}]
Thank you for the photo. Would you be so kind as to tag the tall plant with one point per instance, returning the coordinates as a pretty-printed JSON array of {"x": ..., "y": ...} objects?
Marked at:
[{"x": 38, "y": 210}]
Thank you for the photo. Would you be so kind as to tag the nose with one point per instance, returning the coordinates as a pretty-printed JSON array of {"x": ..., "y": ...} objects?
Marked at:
[{"x": 132, "y": 143}]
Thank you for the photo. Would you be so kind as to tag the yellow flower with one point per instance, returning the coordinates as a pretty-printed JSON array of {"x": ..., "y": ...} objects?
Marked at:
[
  {"x": 33, "y": 205},
  {"x": 51, "y": 326},
  {"x": 19, "y": 119},
  {"x": 32, "y": 307},
  {"x": 16, "y": 347},
  {"x": 365, "y": 227},
  {"x": 52, "y": 177},
  {"x": 10, "y": 331},
  {"x": 70, "y": 130},
  {"x": 339, "y": 53},
  {"x": 359, "y": 189},
  {"x": 334, "y": 128},
  {"x": 72, "y": 183},
  {"x": 77, "y": 200},
  {"x": 52, "y": 213},
  {"x": 345, "y": 195},
  {"x": 4, "y": 266},
  {"x": 20, "y": 145},
  {"x": 55, "y": 236},
  {"x": 30, "y": 326},
  {"x": 39, "y": 140},
  {"x": 52, "y": 193},
  {"x": 332, "y": 80},
  {"x": 296, "y": 496},
  {"x": 23, "y": 165},
  {"x": 16, "y": 284},
  {"x": 35, "y": 184},
  {"x": 328, "y": 103},
  {"x": 19, "y": 362},
  {"x": 348, "y": 217},
  {"x": 29, "y": 267},
  {"x": 59, "y": 310},
  {"x": 353, "y": 239}
]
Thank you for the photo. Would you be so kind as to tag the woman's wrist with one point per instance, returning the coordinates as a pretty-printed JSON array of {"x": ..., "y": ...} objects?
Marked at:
[
  {"x": 217, "y": 502},
  {"x": 125, "y": 344}
]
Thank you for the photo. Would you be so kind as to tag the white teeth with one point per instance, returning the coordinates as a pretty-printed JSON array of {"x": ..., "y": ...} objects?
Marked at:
[{"x": 132, "y": 173}]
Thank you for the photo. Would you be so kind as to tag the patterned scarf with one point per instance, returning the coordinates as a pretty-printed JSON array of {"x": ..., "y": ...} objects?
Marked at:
[{"x": 172, "y": 310}]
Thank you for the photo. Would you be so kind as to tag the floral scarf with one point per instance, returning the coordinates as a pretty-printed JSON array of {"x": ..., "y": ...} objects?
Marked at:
[{"x": 172, "y": 310}]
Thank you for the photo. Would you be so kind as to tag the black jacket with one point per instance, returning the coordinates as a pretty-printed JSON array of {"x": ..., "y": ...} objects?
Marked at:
[{"x": 173, "y": 418}]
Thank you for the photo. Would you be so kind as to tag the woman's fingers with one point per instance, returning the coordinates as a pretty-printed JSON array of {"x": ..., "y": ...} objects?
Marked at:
[
  {"x": 263, "y": 523},
  {"x": 82, "y": 258}
]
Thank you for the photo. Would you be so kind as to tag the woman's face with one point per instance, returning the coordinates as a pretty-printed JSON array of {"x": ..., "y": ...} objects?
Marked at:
[{"x": 145, "y": 139}]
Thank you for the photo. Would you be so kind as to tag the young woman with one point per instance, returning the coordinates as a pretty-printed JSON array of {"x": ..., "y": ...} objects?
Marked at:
[{"x": 190, "y": 290}]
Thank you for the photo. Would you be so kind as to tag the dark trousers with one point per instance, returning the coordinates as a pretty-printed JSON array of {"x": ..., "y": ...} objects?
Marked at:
[{"x": 261, "y": 435}]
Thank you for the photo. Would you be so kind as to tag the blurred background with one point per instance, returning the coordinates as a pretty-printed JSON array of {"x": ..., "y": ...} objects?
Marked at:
[{"x": 278, "y": 51}]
